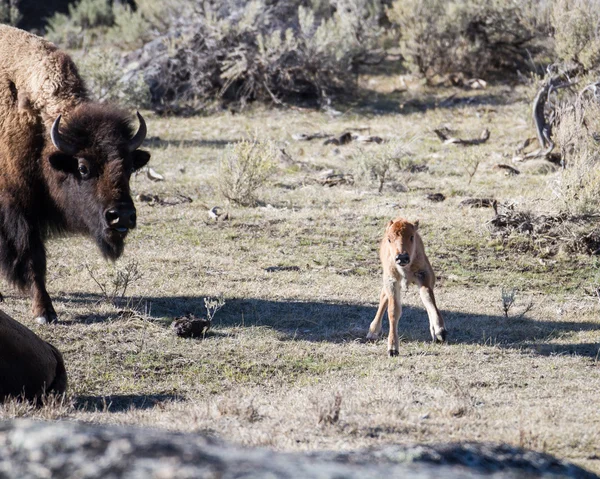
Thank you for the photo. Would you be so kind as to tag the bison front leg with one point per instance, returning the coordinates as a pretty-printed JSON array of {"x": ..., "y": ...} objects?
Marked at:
[
  {"x": 41, "y": 306},
  {"x": 436, "y": 322}
]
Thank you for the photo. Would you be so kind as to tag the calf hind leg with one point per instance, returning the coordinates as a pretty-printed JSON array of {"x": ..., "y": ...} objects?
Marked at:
[{"x": 436, "y": 322}]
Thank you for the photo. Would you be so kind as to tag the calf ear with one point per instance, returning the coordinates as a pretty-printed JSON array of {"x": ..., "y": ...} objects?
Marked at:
[
  {"x": 140, "y": 158},
  {"x": 62, "y": 162},
  {"x": 416, "y": 225}
]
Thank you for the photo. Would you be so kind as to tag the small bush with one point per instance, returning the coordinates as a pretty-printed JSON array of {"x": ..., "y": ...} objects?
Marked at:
[
  {"x": 107, "y": 81},
  {"x": 440, "y": 37},
  {"x": 576, "y": 31},
  {"x": 9, "y": 12},
  {"x": 379, "y": 164},
  {"x": 576, "y": 134},
  {"x": 70, "y": 30},
  {"x": 244, "y": 168}
]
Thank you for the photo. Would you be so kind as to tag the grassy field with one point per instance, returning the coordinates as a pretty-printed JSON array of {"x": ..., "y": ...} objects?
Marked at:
[{"x": 286, "y": 364}]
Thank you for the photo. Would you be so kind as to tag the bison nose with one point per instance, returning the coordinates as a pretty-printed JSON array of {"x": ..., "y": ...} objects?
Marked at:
[
  {"x": 402, "y": 258},
  {"x": 121, "y": 217}
]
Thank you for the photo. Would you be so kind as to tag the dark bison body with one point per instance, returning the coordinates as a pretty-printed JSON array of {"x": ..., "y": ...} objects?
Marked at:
[
  {"x": 65, "y": 163},
  {"x": 29, "y": 366}
]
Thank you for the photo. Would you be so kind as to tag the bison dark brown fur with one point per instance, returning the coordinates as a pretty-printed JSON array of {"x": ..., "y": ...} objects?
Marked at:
[
  {"x": 65, "y": 163},
  {"x": 29, "y": 366}
]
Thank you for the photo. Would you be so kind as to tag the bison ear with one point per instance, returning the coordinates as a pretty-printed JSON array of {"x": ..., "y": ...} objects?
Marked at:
[
  {"x": 416, "y": 225},
  {"x": 62, "y": 162},
  {"x": 140, "y": 158}
]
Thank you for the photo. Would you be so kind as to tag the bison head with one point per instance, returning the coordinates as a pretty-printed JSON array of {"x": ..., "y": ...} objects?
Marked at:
[
  {"x": 96, "y": 153},
  {"x": 400, "y": 235}
]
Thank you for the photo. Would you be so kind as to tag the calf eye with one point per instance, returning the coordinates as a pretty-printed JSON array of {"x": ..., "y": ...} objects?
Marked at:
[
  {"x": 412, "y": 238},
  {"x": 389, "y": 240}
]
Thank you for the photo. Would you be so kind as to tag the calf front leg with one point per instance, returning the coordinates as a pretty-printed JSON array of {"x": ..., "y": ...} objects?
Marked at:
[
  {"x": 394, "y": 313},
  {"x": 436, "y": 322},
  {"x": 375, "y": 327}
]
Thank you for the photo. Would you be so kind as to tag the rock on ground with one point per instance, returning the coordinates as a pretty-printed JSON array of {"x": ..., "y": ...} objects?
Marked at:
[{"x": 30, "y": 449}]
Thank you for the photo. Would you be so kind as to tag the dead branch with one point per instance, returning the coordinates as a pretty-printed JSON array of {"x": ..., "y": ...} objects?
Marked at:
[{"x": 449, "y": 140}]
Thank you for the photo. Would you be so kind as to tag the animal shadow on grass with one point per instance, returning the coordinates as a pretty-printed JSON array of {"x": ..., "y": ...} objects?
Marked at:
[
  {"x": 342, "y": 322},
  {"x": 122, "y": 402}
]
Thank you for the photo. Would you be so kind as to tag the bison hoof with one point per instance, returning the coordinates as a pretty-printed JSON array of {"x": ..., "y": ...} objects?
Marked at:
[
  {"x": 46, "y": 319},
  {"x": 393, "y": 352}
]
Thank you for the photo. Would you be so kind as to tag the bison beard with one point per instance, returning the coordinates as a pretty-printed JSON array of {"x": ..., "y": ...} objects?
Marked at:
[{"x": 65, "y": 163}]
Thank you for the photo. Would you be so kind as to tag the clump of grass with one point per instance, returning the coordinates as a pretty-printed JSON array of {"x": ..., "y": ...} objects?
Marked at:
[
  {"x": 470, "y": 163},
  {"x": 381, "y": 163},
  {"x": 329, "y": 413},
  {"x": 245, "y": 168},
  {"x": 115, "y": 289},
  {"x": 213, "y": 305},
  {"x": 508, "y": 299}
]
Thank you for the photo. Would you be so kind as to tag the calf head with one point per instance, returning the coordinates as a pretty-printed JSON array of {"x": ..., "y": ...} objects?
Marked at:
[
  {"x": 96, "y": 153},
  {"x": 400, "y": 236}
]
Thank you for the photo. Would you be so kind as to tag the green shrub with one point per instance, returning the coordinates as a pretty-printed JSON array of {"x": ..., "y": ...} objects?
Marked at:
[
  {"x": 275, "y": 52},
  {"x": 9, "y": 12},
  {"x": 440, "y": 37},
  {"x": 244, "y": 168},
  {"x": 576, "y": 31},
  {"x": 106, "y": 80},
  {"x": 576, "y": 134},
  {"x": 70, "y": 30}
]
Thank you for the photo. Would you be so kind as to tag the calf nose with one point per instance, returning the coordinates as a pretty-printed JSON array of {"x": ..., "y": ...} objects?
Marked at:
[
  {"x": 121, "y": 217},
  {"x": 402, "y": 258}
]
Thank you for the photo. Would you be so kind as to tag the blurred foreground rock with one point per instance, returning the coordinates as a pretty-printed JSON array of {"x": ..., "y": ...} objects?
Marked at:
[{"x": 30, "y": 449}]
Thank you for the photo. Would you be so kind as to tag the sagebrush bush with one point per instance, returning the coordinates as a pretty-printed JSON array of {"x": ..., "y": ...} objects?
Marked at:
[
  {"x": 441, "y": 37},
  {"x": 9, "y": 12},
  {"x": 576, "y": 134},
  {"x": 382, "y": 162},
  {"x": 244, "y": 168},
  {"x": 275, "y": 51},
  {"x": 577, "y": 36},
  {"x": 69, "y": 30},
  {"x": 108, "y": 82}
]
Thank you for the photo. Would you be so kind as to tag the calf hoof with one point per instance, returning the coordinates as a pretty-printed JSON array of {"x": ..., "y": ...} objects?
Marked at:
[
  {"x": 48, "y": 318},
  {"x": 373, "y": 336},
  {"x": 440, "y": 336},
  {"x": 393, "y": 352}
]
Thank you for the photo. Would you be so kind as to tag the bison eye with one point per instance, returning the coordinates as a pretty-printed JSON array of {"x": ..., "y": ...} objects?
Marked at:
[{"x": 84, "y": 171}]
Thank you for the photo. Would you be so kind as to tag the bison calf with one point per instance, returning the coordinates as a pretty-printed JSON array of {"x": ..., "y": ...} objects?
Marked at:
[
  {"x": 404, "y": 261},
  {"x": 29, "y": 366}
]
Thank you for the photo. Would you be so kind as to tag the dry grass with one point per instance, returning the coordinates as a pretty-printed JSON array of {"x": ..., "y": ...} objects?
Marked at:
[{"x": 289, "y": 343}]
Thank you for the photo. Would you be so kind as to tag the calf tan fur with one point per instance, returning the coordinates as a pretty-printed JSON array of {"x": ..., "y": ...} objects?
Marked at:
[{"x": 404, "y": 262}]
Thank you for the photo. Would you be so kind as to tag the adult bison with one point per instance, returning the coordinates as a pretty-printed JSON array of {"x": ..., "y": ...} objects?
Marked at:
[
  {"x": 65, "y": 163},
  {"x": 29, "y": 366}
]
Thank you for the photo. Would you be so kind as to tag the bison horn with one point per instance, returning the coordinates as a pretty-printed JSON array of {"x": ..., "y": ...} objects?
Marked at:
[
  {"x": 60, "y": 142},
  {"x": 138, "y": 139}
]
